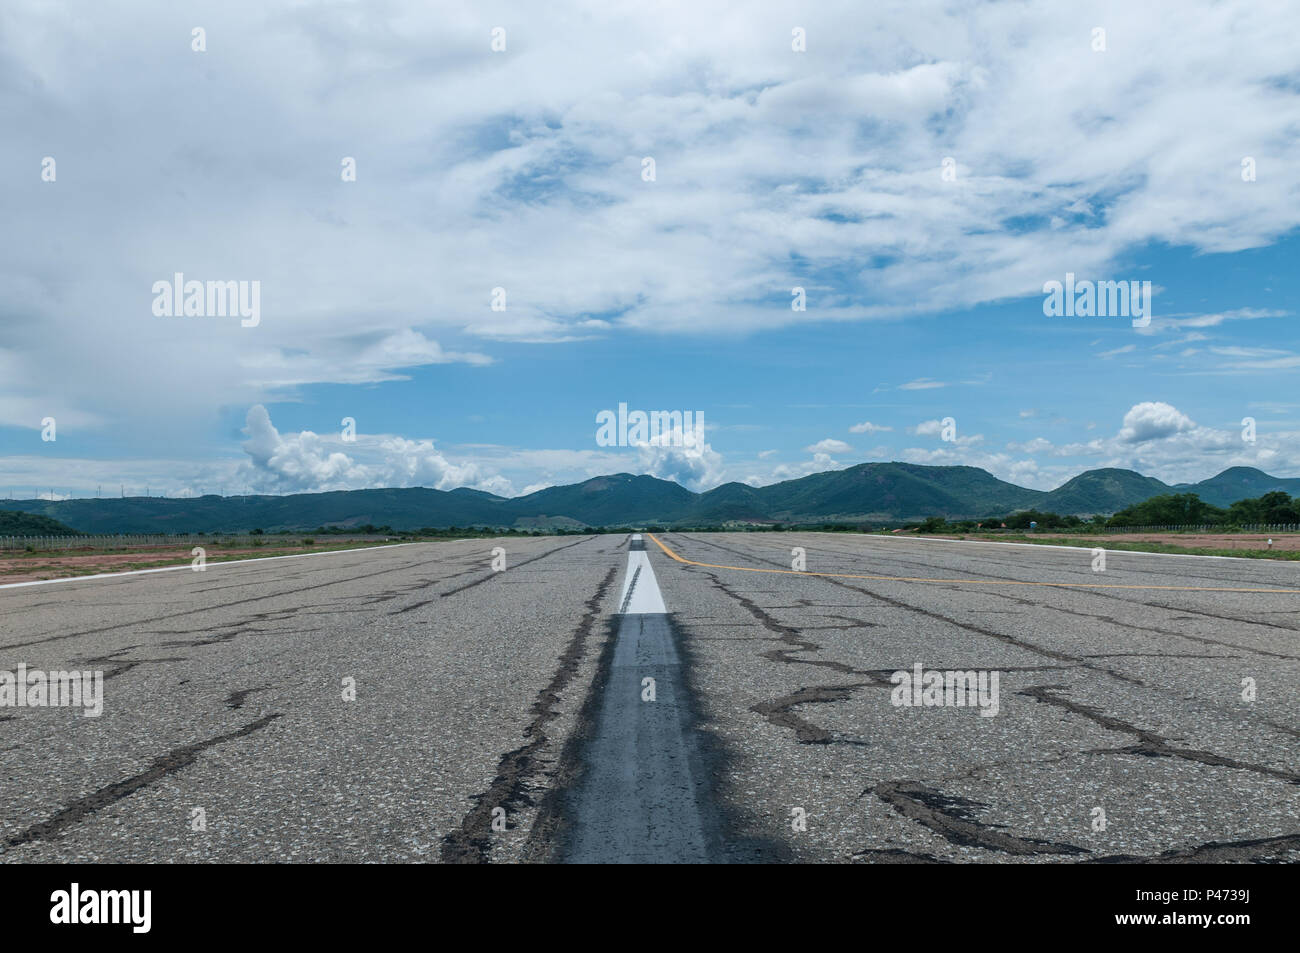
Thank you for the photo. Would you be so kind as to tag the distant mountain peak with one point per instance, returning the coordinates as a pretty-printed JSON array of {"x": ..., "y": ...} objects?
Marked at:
[{"x": 868, "y": 492}]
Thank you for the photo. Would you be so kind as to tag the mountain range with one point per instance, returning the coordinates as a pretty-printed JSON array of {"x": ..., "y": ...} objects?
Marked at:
[{"x": 868, "y": 492}]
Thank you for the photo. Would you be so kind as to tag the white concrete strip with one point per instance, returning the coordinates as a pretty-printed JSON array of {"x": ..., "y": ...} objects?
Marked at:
[
  {"x": 211, "y": 565},
  {"x": 1082, "y": 549},
  {"x": 644, "y": 598}
]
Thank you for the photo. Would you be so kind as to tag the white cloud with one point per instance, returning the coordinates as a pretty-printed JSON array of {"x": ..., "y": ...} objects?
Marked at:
[
  {"x": 678, "y": 455},
  {"x": 1179, "y": 322},
  {"x": 523, "y": 173},
  {"x": 1037, "y": 445},
  {"x": 868, "y": 427},
  {"x": 829, "y": 445},
  {"x": 307, "y": 461},
  {"x": 1152, "y": 420},
  {"x": 819, "y": 463},
  {"x": 1154, "y": 439}
]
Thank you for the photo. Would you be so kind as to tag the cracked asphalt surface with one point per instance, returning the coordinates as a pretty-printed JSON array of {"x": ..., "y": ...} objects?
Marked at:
[
  {"x": 480, "y": 694},
  {"x": 1128, "y": 700}
]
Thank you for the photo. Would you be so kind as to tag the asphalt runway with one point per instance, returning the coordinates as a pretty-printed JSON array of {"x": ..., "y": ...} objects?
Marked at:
[{"x": 1146, "y": 712}]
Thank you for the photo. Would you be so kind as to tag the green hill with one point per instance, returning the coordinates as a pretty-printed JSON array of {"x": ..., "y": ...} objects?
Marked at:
[
  {"x": 32, "y": 524},
  {"x": 868, "y": 492},
  {"x": 606, "y": 500},
  {"x": 1101, "y": 491},
  {"x": 731, "y": 501},
  {"x": 1238, "y": 483},
  {"x": 399, "y": 508},
  {"x": 894, "y": 491}
]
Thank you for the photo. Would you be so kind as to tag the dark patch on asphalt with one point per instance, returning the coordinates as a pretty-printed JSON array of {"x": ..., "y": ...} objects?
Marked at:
[
  {"x": 118, "y": 666},
  {"x": 847, "y": 625},
  {"x": 162, "y": 766},
  {"x": 735, "y": 837},
  {"x": 414, "y": 605},
  {"x": 785, "y": 633},
  {"x": 643, "y": 772},
  {"x": 779, "y": 712},
  {"x": 953, "y": 818},
  {"x": 236, "y": 699},
  {"x": 896, "y": 855},
  {"x": 1149, "y": 744},
  {"x": 1159, "y": 655},
  {"x": 471, "y": 842},
  {"x": 1262, "y": 850},
  {"x": 551, "y": 825},
  {"x": 643, "y": 797},
  {"x": 631, "y": 588}
]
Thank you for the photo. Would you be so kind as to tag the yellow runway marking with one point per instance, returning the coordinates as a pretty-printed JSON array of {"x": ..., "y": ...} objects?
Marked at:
[{"x": 965, "y": 582}]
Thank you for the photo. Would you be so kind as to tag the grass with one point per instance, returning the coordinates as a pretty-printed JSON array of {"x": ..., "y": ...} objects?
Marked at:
[
  {"x": 35, "y": 562},
  {"x": 1135, "y": 547},
  {"x": 30, "y": 562}
]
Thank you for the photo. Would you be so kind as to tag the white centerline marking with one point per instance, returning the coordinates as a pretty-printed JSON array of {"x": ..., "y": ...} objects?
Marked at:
[{"x": 644, "y": 598}]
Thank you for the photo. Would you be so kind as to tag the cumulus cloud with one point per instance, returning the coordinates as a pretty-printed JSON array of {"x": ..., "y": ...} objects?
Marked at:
[
  {"x": 1154, "y": 438},
  {"x": 934, "y": 428},
  {"x": 790, "y": 471},
  {"x": 682, "y": 456},
  {"x": 1020, "y": 471},
  {"x": 1153, "y": 420},
  {"x": 868, "y": 427},
  {"x": 829, "y": 445},
  {"x": 307, "y": 461},
  {"x": 523, "y": 172},
  {"x": 774, "y": 170}
]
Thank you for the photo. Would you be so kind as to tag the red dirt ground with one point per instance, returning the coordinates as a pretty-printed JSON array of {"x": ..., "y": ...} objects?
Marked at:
[
  {"x": 1187, "y": 540},
  {"x": 15, "y": 567}
]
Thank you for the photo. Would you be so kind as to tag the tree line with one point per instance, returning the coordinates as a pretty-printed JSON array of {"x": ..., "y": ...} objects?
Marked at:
[{"x": 1169, "y": 509}]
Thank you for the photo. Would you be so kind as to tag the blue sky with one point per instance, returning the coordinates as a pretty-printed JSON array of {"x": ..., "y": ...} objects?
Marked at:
[{"x": 523, "y": 169}]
